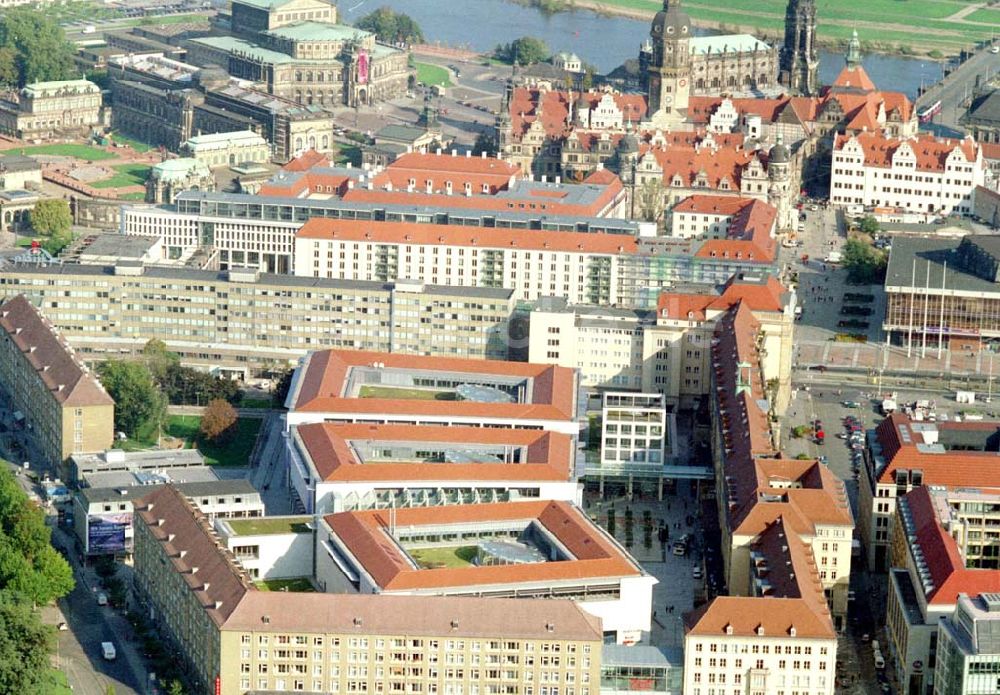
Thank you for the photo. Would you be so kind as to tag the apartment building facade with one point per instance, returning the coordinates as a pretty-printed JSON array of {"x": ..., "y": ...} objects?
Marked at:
[
  {"x": 920, "y": 174},
  {"x": 244, "y": 322},
  {"x": 52, "y": 392},
  {"x": 236, "y": 639}
]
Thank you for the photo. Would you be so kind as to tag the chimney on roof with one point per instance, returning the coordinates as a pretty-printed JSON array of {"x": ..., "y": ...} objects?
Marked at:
[
  {"x": 454, "y": 153},
  {"x": 454, "y": 624},
  {"x": 218, "y": 605},
  {"x": 482, "y": 155},
  {"x": 357, "y": 621},
  {"x": 32, "y": 348},
  {"x": 388, "y": 186},
  {"x": 438, "y": 152},
  {"x": 550, "y": 627},
  {"x": 468, "y": 154},
  {"x": 266, "y": 619}
]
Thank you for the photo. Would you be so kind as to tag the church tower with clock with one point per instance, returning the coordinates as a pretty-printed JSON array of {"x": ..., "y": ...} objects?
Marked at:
[{"x": 669, "y": 73}]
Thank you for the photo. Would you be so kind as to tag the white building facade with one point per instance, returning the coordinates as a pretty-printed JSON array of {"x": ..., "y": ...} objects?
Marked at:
[{"x": 921, "y": 174}]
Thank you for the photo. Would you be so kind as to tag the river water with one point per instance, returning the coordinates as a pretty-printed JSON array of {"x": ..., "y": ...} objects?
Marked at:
[{"x": 603, "y": 41}]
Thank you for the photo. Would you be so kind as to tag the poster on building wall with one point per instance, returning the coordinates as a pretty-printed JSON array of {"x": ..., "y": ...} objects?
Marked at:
[
  {"x": 362, "y": 67},
  {"x": 106, "y": 533}
]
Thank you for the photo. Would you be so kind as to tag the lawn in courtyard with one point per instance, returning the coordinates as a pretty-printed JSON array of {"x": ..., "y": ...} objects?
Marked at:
[
  {"x": 270, "y": 525},
  {"x": 85, "y": 152},
  {"x": 450, "y": 556},
  {"x": 433, "y": 75},
  {"x": 405, "y": 394},
  {"x": 297, "y": 584},
  {"x": 125, "y": 175},
  {"x": 185, "y": 427}
]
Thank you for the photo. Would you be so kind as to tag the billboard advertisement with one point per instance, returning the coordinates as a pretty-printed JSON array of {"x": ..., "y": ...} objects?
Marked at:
[
  {"x": 106, "y": 533},
  {"x": 363, "y": 67}
]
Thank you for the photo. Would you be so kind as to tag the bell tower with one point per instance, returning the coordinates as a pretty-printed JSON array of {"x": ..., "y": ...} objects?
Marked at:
[
  {"x": 799, "y": 60},
  {"x": 669, "y": 70}
]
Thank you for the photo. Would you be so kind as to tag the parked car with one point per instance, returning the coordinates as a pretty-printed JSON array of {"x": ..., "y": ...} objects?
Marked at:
[
  {"x": 696, "y": 573},
  {"x": 102, "y": 598},
  {"x": 851, "y": 404}
]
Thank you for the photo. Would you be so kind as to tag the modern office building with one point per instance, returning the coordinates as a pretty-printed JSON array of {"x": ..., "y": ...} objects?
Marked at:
[
  {"x": 943, "y": 290},
  {"x": 347, "y": 467},
  {"x": 968, "y": 648},
  {"x": 903, "y": 455},
  {"x": 634, "y": 429},
  {"x": 52, "y": 392},
  {"x": 944, "y": 553},
  {"x": 237, "y": 639},
  {"x": 381, "y": 388},
  {"x": 921, "y": 174},
  {"x": 533, "y": 549},
  {"x": 246, "y": 323},
  {"x": 665, "y": 351}
]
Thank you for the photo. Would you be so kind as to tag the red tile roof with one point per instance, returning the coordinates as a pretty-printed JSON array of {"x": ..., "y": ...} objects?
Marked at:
[
  {"x": 495, "y": 174},
  {"x": 718, "y": 164},
  {"x": 991, "y": 150},
  {"x": 931, "y": 152},
  {"x": 948, "y": 572},
  {"x": 899, "y": 440},
  {"x": 311, "y": 182},
  {"x": 364, "y": 534},
  {"x": 756, "y": 296},
  {"x": 457, "y": 235},
  {"x": 854, "y": 78},
  {"x": 550, "y": 455},
  {"x": 307, "y": 160},
  {"x": 528, "y": 105},
  {"x": 69, "y": 381},
  {"x": 325, "y": 375},
  {"x": 745, "y": 615},
  {"x": 750, "y": 234}
]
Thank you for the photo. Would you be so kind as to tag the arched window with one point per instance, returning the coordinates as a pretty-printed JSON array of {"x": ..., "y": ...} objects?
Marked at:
[
  {"x": 326, "y": 142},
  {"x": 298, "y": 143}
]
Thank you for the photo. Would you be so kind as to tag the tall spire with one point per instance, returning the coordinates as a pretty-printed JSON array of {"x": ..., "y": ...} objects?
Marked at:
[{"x": 853, "y": 56}]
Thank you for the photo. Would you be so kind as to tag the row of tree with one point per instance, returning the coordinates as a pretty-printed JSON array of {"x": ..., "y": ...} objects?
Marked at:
[
  {"x": 32, "y": 574},
  {"x": 33, "y": 48}
]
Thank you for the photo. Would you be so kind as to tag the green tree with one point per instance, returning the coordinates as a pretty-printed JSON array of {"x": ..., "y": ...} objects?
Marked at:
[
  {"x": 486, "y": 142},
  {"x": 42, "y": 51},
  {"x": 524, "y": 51},
  {"x": 869, "y": 225},
  {"x": 587, "y": 81},
  {"x": 865, "y": 264},
  {"x": 8, "y": 67},
  {"x": 51, "y": 217},
  {"x": 24, "y": 647},
  {"x": 139, "y": 404},
  {"x": 175, "y": 688},
  {"x": 159, "y": 359},
  {"x": 391, "y": 27}
]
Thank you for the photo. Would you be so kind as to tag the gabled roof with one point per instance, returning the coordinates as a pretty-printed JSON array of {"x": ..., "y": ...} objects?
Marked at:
[
  {"x": 69, "y": 381},
  {"x": 931, "y": 153},
  {"x": 307, "y": 160},
  {"x": 365, "y": 536},
  {"x": 209, "y": 571},
  {"x": 948, "y": 574},
  {"x": 438, "y": 168},
  {"x": 750, "y": 616},
  {"x": 549, "y": 455},
  {"x": 756, "y": 295}
]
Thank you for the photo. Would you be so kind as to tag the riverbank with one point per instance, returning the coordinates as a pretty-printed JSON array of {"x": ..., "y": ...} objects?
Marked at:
[{"x": 933, "y": 31}]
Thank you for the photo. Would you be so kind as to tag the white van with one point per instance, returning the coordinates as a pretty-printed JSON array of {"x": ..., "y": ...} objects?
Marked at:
[
  {"x": 108, "y": 650},
  {"x": 879, "y": 661}
]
